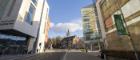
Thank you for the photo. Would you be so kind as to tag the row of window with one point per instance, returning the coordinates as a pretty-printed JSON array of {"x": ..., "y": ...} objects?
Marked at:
[
  {"x": 12, "y": 37},
  {"x": 30, "y": 14}
]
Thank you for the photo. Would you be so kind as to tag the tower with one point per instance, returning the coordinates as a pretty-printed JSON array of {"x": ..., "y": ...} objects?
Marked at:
[{"x": 68, "y": 33}]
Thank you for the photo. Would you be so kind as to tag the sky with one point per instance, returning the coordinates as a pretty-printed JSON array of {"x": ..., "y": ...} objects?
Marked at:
[{"x": 64, "y": 15}]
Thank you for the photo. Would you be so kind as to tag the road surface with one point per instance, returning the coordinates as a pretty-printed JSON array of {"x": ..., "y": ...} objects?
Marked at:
[{"x": 54, "y": 56}]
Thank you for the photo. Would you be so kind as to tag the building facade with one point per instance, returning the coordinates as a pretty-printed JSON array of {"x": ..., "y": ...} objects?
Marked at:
[
  {"x": 70, "y": 42},
  {"x": 44, "y": 26},
  {"x": 129, "y": 13},
  {"x": 23, "y": 20},
  {"x": 90, "y": 29},
  {"x": 43, "y": 37},
  {"x": 109, "y": 22},
  {"x": 47, "y": 27}
]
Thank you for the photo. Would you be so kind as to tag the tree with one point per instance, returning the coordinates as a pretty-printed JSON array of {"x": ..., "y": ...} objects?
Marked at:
[{"x": 56, "y": 42}]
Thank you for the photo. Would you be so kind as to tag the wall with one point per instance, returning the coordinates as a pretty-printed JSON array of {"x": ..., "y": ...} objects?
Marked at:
[
  {"x": 10, "y": 14},
  {"x": 21, "y": 25},
  {"x": 132, "y": 17},
  {"x": 101, "y": 22},
  {"x": 42, "y": 35}
]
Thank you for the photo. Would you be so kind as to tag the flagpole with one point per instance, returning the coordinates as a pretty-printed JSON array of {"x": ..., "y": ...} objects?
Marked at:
[{"x": 129, "y": 35}]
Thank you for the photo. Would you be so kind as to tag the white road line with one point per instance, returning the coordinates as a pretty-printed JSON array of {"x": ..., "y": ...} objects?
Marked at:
[{"x": 65, "y": 56}]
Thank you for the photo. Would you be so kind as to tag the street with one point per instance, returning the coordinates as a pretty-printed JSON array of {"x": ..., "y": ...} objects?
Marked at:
[
  {"x": 54, "y": 56},
  {"x": 80, "y": 56}
]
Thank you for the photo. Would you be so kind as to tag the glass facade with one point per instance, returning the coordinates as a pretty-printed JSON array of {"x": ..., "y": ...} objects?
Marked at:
[
  {"x": 34, "y": 1},
  {"x": 30, "y": 14},
  {"x": 12, "y": 37},
  {"x": 88, "y": 30},
  {"x": 10, "y": 43}
]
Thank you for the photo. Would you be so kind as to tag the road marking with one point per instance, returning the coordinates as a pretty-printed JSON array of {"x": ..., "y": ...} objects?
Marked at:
[{"x": 65, "y": 56}]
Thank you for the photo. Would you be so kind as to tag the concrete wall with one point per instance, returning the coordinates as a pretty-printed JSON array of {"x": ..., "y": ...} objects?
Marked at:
[
  {"x": 16, "y": 18},
  {"x": 31, "y": 44},
  {"x": 21, "y": 25},
  {"x": 10, "y": 14},
  {"x": 41, "y": 17},
  {"x": 118, "y": 43},
  {"x": 131, "y": 7},
  {"x": 101, "y": 22},
  {"x": 42, "y": 34}
]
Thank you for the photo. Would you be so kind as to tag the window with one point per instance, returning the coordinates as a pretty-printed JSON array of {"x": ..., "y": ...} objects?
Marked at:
[
  {"x": 3, "y": 5},
  {"x": 30, "y": 14},
  {"x": 34, "y": 1},
  {"x": 86, "y": 20}
]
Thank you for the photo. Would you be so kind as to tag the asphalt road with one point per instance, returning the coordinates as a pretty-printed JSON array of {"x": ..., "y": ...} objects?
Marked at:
[
  {"x": 55, "y": 56},
  {"x": 80, "y": 56}
]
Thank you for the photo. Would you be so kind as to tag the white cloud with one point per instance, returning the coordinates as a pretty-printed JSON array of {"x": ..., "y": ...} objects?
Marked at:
[
  {"x": 52, "y": 24},
  {"x": 74, "y": 25}
]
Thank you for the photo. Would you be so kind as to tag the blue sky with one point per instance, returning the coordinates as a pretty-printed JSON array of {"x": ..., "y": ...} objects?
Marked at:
[{"x": 65, "y": 14}]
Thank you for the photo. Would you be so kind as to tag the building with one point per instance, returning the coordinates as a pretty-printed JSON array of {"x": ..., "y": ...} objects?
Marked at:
[
  {"x": 128, "y": 12},
  {"x": 44, "y": 26},
  {"x": 47, "y": 27},
  {"x": 43, "y": 39},
  {"x": 90, "y": 30},
  {"x": 69, "y": 42},
  {"x": 23, "y": 20},
  {"x": 101, "y": 24}
]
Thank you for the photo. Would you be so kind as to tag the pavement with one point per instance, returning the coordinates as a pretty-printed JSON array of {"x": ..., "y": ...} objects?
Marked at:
[{"x": 65, "y": 55}]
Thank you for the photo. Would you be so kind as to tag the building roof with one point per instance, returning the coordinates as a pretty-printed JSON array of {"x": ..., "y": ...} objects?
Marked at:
[{"x": 69, "y": 38}]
